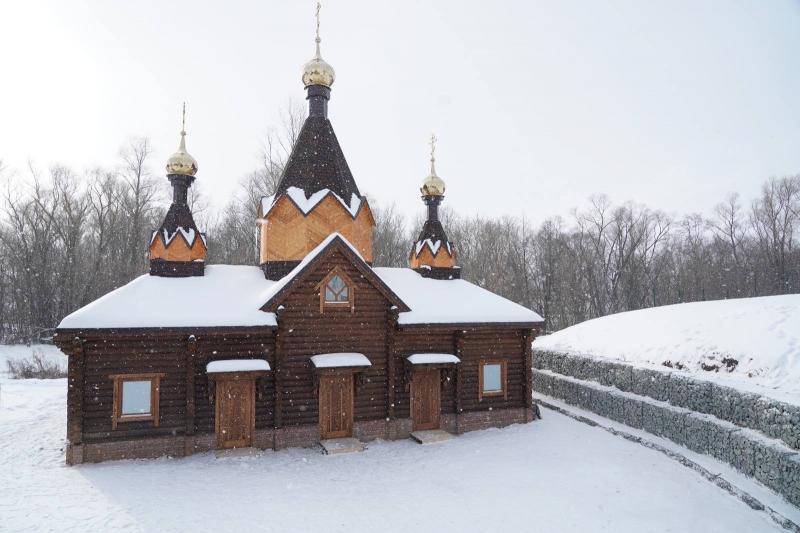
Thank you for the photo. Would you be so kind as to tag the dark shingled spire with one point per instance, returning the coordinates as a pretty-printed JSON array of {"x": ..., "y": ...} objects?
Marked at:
[
  {"x": 317, "y": 162},
  {"x": 433, "y": 229}
]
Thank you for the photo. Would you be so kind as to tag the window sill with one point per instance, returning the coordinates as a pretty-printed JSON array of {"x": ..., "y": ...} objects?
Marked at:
[{"x": 135, "y": 418}]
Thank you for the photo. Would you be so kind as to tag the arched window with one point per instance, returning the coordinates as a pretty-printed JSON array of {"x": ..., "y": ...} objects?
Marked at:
[{"x": 336, "y": 291}]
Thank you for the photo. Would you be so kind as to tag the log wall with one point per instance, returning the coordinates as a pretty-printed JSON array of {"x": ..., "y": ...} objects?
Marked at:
[
  {"x": 306, "y": 331},
  {"x": 286, "y": 397},
  {"x": 103, "y": 353}
]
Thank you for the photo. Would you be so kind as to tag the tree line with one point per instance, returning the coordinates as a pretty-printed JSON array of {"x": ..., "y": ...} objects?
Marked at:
[{"x": 67, "y": 239}]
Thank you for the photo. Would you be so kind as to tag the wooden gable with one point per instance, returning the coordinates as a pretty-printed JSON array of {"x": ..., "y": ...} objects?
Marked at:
[{"x": 336, "y": 254}]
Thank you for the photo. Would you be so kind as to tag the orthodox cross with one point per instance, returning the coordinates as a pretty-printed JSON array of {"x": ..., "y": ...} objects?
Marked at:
[
  {"x": 183, "y": 120},
  {"x": 319, "y": 6}
]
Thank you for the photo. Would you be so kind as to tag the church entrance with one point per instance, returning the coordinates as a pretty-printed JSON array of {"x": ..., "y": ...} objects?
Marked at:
[
  {"x": 426, "y": 399},
  {"x": 336, "y": 405},
  {"x": 235, "y": 412}
]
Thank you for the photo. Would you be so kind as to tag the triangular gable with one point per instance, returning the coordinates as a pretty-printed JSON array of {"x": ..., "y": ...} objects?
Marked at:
[{"x": 333, "y": 243}]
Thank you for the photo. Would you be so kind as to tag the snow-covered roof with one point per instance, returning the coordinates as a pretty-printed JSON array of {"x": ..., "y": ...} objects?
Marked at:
[
  {"x": 453, "y": 301},
  {"x": 307, "y": 203},
  {"x": 234, "y": 295},
  {"x": 432, "y": 358},
  {"x": 225, "y": 296},
  {"x": 335, "y": 360},
  {"x": 237, "y": 365}
]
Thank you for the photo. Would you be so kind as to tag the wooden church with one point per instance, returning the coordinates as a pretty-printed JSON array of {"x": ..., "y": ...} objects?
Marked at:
[{"x": 312, "y": 345}]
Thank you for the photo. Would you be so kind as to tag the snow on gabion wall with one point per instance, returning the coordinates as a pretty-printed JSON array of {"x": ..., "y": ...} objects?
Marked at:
[{"x": 723, "y": 422}]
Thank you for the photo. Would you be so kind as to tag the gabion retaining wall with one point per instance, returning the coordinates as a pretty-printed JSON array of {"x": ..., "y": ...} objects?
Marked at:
[
  {"x": 774, "y": 419},
  {"x": 651, "y": 403}
]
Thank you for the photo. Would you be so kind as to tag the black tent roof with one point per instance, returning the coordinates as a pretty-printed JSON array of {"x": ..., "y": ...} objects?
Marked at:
[
  {"x": 433, "y": 230},
  {"x": 317, "y": 162}
]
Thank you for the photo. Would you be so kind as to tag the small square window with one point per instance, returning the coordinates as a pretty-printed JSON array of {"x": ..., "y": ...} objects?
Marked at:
[
  {"x": 136, "y": 398},
  {"x": 492, "y": 380}
]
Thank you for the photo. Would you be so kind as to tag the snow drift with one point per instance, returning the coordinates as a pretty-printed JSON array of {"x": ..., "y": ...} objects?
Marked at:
[{"x": 750, "y": 343}]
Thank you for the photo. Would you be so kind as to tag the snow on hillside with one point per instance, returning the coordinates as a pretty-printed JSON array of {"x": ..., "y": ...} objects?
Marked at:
[
  {"x": 555, "y": 474},
  {"x": 19, "y": 351},
  {"x": 761, "y": 334}
]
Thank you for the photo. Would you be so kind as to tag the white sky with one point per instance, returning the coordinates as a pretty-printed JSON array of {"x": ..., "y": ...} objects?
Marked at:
[{"x": 537, "y": 105}]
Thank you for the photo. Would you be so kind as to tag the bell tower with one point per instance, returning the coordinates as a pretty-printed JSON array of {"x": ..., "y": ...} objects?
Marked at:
[
  {"x": 177, "y": 247},
  {"x": 433, "y": 255},
  {"x": 316, "y": 195}
]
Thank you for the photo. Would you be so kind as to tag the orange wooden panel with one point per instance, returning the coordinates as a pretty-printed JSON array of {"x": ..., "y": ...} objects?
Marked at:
[
  {"x": 178, "y": 249},
  {"x": 442, "y": 259},
  {"x": 289, "y": 235}
]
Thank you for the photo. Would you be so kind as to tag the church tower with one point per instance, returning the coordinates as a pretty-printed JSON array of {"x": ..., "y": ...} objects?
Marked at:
[
  {"x": 316, "y": 195},
  {"x": 433, "y": 255},
  {"x": 178, "y": 248}
]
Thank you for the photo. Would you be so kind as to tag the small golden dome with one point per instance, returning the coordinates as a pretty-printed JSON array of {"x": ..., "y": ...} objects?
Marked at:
[
  {"x": 181, "y": 162},
  {"x": 318, "y": 71},
  {"x": 433, "y": 185}
]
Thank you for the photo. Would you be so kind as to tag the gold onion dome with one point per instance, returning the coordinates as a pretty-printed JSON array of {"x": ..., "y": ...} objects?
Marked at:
[
  {"x": 181, "y": 162},
  {"x": 433, "y": 185},
  {"x": 318, "y": 71}
]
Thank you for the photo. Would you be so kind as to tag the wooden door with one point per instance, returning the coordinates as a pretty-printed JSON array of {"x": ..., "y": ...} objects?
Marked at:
[
  {"x": 425, "y": 399},
  {"x": 235, "y": 413},
  {"x": 336, "y": 405}
]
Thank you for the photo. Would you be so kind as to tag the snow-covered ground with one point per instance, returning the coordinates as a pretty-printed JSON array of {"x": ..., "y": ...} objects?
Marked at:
[
  {"x": 18, "y": 351},
  {"x": 762, "y": 334},
  {"x": 553, "y": 475}
]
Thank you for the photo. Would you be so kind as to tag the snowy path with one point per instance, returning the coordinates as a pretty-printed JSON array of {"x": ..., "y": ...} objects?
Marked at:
[{"x": 554, "y": 475}]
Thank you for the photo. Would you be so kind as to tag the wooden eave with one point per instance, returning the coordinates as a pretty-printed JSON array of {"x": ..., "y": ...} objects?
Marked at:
[
  {"x": 338, "y": 244},
  {"x": 65, "y": 336},
  {"x": 474, "y": 325}
]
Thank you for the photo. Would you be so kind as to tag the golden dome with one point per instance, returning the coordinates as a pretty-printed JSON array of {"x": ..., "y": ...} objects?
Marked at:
[
  {"x": 181, "y": 162},
  {"x": 433, "y": 185},
  {"x": 318, "y": 71}
]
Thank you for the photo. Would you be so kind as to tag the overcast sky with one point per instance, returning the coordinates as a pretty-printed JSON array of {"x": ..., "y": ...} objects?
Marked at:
[{"x": 536, "y": 105}]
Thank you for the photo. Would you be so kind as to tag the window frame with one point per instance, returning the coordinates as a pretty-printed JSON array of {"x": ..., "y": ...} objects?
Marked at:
[
  {"x": 503, "y": 392},
  {"x": 155, "y": 387},
  {"x": 325, "y": 305}
]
